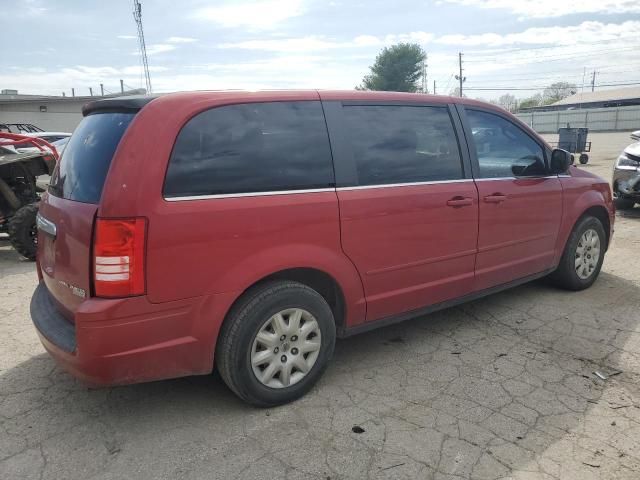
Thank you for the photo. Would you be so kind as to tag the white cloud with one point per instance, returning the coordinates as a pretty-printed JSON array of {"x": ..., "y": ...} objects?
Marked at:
[
  {"x": 586, "y": 32},
  {"x": 318, "y": 43},
  {"x": 127, "y": 37},
  {"x": 181, "y": 40},
  {"x": 303, "y": 44},
  {"x": 157, "y": 48},
  {"x": 554, "y": 8},
  {"x": 264, "y": 14}
]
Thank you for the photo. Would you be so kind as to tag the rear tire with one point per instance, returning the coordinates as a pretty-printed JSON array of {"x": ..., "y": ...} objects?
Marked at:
[
  {"x": 584, "y": 158},
  {"x": 23, "y": 231},
  {"x": 579, "y": 267},
  {"x": 298, "y": 326}
]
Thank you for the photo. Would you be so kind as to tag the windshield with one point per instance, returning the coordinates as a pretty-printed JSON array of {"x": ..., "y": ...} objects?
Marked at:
[{"x": 82, "y": 170}]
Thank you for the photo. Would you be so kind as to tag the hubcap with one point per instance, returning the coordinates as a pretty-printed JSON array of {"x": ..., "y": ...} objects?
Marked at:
[
  {"x": 286, "y": 348},
  {"x": 587, "y": 254}
]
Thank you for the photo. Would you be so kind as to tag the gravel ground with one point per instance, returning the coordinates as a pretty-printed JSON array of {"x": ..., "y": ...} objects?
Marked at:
[{"x": 499, "y": 388}]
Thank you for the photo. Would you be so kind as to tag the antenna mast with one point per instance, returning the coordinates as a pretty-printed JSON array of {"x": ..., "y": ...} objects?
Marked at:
[{"x": 137, "y": 15}]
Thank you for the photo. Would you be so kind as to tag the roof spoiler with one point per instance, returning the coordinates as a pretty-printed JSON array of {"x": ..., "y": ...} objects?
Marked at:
[{"x": 128, "y": 104}]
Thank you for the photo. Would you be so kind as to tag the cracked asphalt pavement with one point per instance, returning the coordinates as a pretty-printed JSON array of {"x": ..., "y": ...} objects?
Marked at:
[{"x": 500, "y": 388}]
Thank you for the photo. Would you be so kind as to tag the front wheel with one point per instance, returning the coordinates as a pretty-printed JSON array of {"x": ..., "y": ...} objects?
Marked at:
[
  {"x": 276, "y": 343},
  {"x": 583, "y": 255},
  {"x": 623, "y": 203},
  {"x": 584, "y": 159}
]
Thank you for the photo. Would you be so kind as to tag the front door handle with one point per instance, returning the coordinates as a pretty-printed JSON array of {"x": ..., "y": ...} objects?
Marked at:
[
  {"x": 459, "y": 202},
  {"x": 495, "y": 198}
]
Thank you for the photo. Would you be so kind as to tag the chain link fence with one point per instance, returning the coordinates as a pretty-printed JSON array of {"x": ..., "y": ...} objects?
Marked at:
[{"x": 620, "y": 119}]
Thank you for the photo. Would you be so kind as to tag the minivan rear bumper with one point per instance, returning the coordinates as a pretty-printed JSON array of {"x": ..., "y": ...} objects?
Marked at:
[{"x": 130, "y": 340}]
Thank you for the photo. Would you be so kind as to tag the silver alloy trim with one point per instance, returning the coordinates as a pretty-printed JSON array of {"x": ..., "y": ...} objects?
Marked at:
[
  {"x": 339, "y": 189},
  {"x": 514, "y": 178},
  {"x": 46, "y": 226},
  {"x": 409, "y": 184},
  {"x": 247, "y": 194}
]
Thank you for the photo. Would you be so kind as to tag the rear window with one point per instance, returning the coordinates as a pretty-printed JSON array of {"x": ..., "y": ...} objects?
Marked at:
[
  {"x": 82, "y": 170},
  {"x": 251, "y": 148}
]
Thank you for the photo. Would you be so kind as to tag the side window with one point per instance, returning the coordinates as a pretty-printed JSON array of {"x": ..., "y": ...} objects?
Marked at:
[
  {"x": 504, "y": 150},
  {"x": 402, "y": 144},
  {"x": 250, "y": 148}
]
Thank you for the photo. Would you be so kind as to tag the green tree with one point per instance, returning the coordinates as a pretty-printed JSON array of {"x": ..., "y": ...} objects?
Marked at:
[
  {"x": 533, "y": 101},
  {"x": 557, "y": 91},
  {"x": 397, "y": 68}
]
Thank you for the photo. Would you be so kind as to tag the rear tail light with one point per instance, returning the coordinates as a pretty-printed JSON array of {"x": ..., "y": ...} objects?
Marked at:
[{"x": 119, "y": 257}]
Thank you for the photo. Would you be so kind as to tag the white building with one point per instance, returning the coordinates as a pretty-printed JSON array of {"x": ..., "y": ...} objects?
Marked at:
[{"x": 51, "y": 113}]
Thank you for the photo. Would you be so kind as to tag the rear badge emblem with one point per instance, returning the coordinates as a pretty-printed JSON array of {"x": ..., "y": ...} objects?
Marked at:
[{"x": 78, "y": 292}]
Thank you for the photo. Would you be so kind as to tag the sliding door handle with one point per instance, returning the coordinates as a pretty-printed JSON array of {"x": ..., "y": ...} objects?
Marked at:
[
  {"x": 459, "y": 202},
  {"x": 495, "y": 198}
]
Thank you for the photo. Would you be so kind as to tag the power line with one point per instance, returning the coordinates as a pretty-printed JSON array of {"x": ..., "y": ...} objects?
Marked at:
[
  {"x": 493, "y": 89},
  {"x": 522, "y": 49},
  {"x": 559, "y": 57}
]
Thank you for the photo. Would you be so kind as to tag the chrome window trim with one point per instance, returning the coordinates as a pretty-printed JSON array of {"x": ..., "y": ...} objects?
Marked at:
[
  {"x": 247, "y": 194},
  {"x": 409, "y": 184},
  {"x": 513, "y": 178},
  {"x": 340, "y": 189}
]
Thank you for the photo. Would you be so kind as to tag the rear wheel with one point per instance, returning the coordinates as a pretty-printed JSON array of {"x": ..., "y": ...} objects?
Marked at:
[
  {"x": 583, "y": 255},
  {"x": 584, "y": 158},
  {"x": 23, "y": 232},
  {"x": 275, "y": 343}
]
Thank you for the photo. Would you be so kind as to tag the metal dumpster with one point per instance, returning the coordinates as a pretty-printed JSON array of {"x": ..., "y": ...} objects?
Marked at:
[{"x": 574, "y": 140}]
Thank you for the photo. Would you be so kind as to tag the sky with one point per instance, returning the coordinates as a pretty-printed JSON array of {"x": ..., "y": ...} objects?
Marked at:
[{"x": 266, "y": 44}]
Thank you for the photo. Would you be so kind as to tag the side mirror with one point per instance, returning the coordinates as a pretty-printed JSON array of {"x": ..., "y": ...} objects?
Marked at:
[{"x": 561, "y": 160}]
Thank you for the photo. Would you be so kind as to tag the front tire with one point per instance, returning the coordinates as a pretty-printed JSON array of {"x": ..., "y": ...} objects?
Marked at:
[
  {"x": 622, "y": 203},
  {"x": 276, "y": 343},
  {"x": 583, "y": 255},
  {"x": 23, "y": 233}
]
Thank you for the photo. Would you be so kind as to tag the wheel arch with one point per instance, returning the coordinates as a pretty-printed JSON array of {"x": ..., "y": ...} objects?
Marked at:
[
  {"x": 319, "y": 280},
  {"x": 601, "y": 213}
]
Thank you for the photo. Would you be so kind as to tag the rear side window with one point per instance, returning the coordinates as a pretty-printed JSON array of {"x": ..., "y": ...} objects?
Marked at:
[
  {"x": 82, "y": 170},
  {"x": 403, "y": 144},
  {"x": 251, "y": 148}
]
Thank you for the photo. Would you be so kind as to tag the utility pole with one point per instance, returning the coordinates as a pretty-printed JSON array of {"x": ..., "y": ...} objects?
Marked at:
[
  {"x": 593, "y": 81},
  {"x": 434, "y": 87},
  {"x": 102, "y": 89},
  {"x": 91, "y": 91},
  {"x": 459, "y": 77},
  {"x": 425, "y": 84},
  {"x": 73, "y": 92},
  {"x": 137, "y": 15},
  {"x": 121, "y": 86}
]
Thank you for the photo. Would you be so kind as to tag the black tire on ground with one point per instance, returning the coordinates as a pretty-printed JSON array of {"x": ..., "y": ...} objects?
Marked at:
[
  {"x": 23, "y": 232},
  {"x": 622, "y": 203},
  {"x": 244, "y": 321},
  {"x": 584, "y": 158},
  {"x": 565, "y": 276}
]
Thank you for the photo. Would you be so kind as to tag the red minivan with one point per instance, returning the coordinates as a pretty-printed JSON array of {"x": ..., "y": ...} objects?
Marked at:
[{"x": 246, "y": 231}]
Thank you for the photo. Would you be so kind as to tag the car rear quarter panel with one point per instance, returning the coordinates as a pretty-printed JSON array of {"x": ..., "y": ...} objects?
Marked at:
[
  {"x": 212, "y": 246},
  {"x": 582, "y": 191}
]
